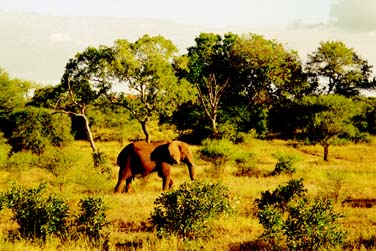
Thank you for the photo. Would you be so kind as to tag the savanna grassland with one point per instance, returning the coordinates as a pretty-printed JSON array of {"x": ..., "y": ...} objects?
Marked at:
[{"x": 349, "y": 173}]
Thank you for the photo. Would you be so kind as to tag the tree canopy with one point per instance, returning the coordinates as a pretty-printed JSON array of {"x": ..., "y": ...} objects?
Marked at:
[
  {"x": 210, "y": 71},
  {"x": 241, "y": 82},
  {"x": 336, "y": 69},
  {"x": 150, "y": 86},
  {"x": 329, "y": 117}
]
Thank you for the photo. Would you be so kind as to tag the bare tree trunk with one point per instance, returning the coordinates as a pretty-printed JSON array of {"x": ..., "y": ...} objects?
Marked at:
[
  {"x": 87, "y": 126},
  {"x": 145, "y": 130},
  {"x": 214, "y": 125},
  {"x": 89, "y": 134},
  {"x": 210, "y": 101}
]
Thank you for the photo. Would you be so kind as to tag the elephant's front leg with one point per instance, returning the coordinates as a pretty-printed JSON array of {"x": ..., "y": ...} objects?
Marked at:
[{"x": 165, "y": 173}]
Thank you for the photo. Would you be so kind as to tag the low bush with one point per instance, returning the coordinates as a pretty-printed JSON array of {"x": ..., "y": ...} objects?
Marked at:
[
  {"x": 100, "y": 162},
  {"x": 245, "y": 164},
  {"x": 285, "y": 164},
  {"x": 187, "y": 211},
  {"x": 37, "y": 215},
  {"x": 55, "y": 160},
  {"x": 217, "y": 151},
  {"x": 91, "y": 220},
  {"x": 40, "y": 216},
  {"x": 293, "y": 222}
]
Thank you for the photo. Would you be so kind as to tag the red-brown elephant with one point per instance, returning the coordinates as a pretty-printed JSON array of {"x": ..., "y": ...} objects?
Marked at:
[{"x": 144, "y": 158}]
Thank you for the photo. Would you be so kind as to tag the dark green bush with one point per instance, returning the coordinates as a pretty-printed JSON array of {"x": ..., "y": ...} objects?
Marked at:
[
  {"x": 91, "y": 219},
  {"x": 37, "y": 215},
  {"x": 34, "y": 129},
  {"x": 285, "y": 164},
  {"x": 40, "y": 216},
  {"x": 293, "y": 222},
  {"x": 100, "y": 162},
  {"x": 187, "y": 211},
  {"x": 281, "y": 196},
  {"x": 311, "y": 225}
]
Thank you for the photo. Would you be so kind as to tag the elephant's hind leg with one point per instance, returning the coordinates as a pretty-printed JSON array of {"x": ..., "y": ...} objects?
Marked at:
[
  {"x": 123, "y": 177},
  {"x": 128, "y": 187}
]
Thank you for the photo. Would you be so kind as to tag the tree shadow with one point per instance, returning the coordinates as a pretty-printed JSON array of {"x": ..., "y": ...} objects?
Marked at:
[{"x": 256, "y": 245}]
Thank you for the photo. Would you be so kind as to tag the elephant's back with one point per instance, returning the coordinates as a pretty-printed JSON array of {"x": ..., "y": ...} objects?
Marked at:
[{"x": 124, "y": 154}]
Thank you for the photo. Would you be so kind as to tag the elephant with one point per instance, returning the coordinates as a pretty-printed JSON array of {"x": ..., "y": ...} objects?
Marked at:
[{"x": 144, "y": 158}]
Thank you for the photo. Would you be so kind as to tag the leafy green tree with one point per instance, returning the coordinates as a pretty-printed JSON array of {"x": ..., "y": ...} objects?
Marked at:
[
  {"x": 84, "y": 80},
  {"x": 145, "y": 70},
  {"x": 336, "y": 69},
  {"x": 34, "y": 129},
  {"x": 266, "y": 70},
  {"x": 266, "y": 74},
  {"x": 13, "y": 92},
  {"x": 46, "y": 96},
  {"x": 328, "y": 118},
  {"x": 13, "y": 95},
  {"x": 209, "y": 69}
]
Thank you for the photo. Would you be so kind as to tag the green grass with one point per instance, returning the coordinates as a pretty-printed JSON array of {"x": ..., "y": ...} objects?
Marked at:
[{"x": 350, "y": 172}]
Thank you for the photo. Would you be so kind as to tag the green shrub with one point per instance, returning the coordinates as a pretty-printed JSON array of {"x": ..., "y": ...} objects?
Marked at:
[
  {"x": 187, "y": 211},
  {"x": 100, "y": 162},
  {"x": 19, "y": 161},
  {"x": 281, "y": 196},
  {"x": 217, "y": 151},
  {"x": 245, "y": 164},
  {"x": 38, "y": 216},
  {"x": 91, "y": 219},
  {"x": 55, "y": 160},
  {"x": 292, "y": 222},
  {"x": 34, "y": 129},
  {"x": 311, "y": 225},
  {"x": 285, "y": 164},
  {"x": 4, "y": 150}
]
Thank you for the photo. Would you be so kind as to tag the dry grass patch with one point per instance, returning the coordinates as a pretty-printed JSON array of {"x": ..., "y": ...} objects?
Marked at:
[{"x": 350, "y": 172}]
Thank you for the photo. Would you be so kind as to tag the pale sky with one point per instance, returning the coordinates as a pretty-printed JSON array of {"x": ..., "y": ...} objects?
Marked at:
[
  {"x": 220, "y": 13},
  {"x": 358, "y": 15},
  {"x": 299, "y": 24}
]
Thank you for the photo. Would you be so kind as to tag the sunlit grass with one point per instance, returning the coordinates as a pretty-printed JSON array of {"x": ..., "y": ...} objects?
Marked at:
[{"x": 350, "y": 172}]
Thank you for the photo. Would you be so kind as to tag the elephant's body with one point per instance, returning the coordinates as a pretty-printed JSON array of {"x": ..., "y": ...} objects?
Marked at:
[{"x": 144, "y": 158}]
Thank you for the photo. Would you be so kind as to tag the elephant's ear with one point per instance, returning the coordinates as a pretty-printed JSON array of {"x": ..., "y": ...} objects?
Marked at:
[{"x": 174, "y": 149}]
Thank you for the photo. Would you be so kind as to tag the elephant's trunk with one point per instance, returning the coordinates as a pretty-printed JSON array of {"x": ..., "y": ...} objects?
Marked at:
[{"x": 191, "y": 170}]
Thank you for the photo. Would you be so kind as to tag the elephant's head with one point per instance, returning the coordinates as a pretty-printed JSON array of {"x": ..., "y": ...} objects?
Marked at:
[{"x": 174, "y": 152}]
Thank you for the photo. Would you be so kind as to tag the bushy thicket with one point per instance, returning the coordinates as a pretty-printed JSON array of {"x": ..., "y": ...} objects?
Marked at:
[
  {"x": 286, "y": 163},
  {"x": 37, "y": 216},
  {"x": 292, "y": 221},
  {"x": 35, "y": 129},
  {"x": 187, "y": 211},
  {"x": 40, "y": 215}
]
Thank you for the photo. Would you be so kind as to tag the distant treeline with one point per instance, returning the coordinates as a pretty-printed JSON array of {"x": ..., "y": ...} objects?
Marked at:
[{"x": 225, "y": 86}]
